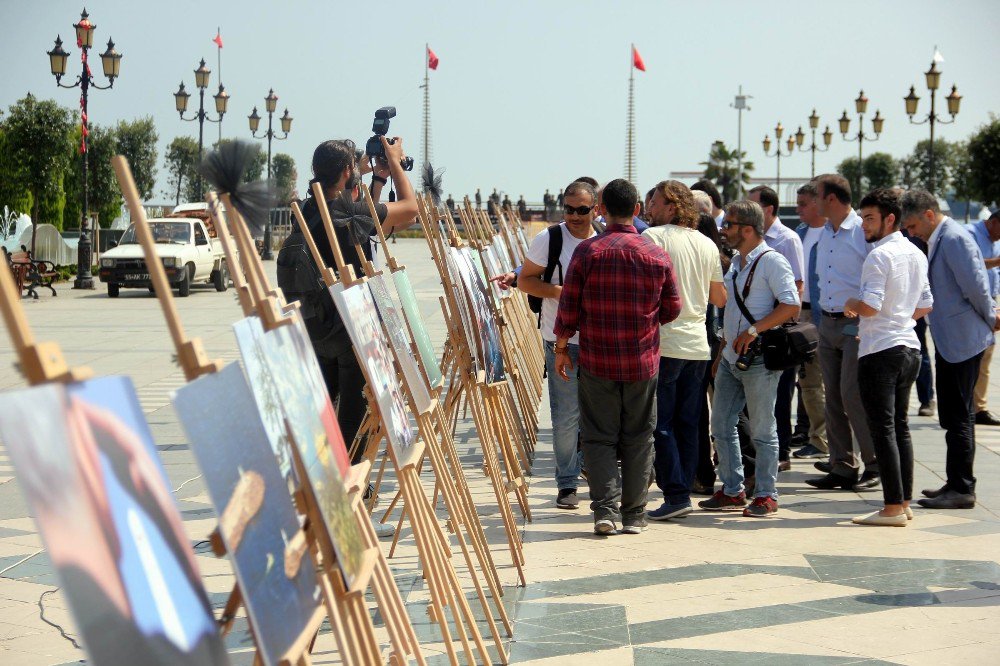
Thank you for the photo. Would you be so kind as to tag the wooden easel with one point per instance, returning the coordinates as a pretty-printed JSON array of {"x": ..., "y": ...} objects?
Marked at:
[
  {"x": 432, "y": 545},
  {"x": 345, "y": 606}
]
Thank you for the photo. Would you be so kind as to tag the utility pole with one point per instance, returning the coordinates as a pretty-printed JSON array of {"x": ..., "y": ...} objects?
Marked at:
[{"x": 740, "y": 104}]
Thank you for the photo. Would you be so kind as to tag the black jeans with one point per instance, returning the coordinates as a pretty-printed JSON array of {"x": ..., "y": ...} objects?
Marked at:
[
  {"x": 925, "y": 378},
  {"x": 885, "y": 379},
  {"x": 345, "y": 383},
  {"x": 783, "y": 411},
  {"x": 705, "y": 469},
  {"x": 617, "y": 418},
  {"x": 956, "y": 383}
]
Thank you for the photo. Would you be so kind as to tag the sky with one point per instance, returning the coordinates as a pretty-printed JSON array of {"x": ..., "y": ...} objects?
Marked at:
[{"x": 528, "y": 95}]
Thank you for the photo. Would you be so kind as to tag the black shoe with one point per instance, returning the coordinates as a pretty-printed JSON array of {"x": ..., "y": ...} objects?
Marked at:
[
  {"x": 833, "y": 481},
  {"x": 567, "y": 499},
  {"x": 698, "y": 488},
  {"x": 784, "y": 465},
  {"x": 985, "y": 418},
  {"x": 932, "y": 492},
  {"x": 800, "y": 438},
  {"x": 809, "y": 451},
  {"x": 949, "y": 499},
  {"x": 868, "y": 481},
  {"x": 823, "y": 466}
]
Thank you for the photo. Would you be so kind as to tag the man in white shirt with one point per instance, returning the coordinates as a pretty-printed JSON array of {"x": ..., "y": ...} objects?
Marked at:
[
  {"x": 684, "y": 350},
  {"x": 580, "y": 210},
  {"x": 894, "y": 293},
  {"x": 787, "y": 243}
]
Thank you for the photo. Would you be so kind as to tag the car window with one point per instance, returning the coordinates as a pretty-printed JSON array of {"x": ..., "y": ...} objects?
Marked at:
[{"x": 199, "y": 234}]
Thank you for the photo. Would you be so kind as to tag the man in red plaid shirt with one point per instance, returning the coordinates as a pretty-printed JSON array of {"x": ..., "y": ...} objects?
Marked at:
[{"x": 618, "y": 290}]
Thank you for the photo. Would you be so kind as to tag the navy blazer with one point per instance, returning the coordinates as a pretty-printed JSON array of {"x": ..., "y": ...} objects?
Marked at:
[{"x": 963, "y": 316}]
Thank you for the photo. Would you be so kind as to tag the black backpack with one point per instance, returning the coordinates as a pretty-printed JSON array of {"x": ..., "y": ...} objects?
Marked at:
[
  {"x": 300, "y": 280},
  {"x": 555, "y": 249}
]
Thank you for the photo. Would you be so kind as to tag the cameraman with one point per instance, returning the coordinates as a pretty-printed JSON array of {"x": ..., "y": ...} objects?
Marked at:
[
  {"x": 336, "y": 168},
  {"x": 758, "y": 277}
]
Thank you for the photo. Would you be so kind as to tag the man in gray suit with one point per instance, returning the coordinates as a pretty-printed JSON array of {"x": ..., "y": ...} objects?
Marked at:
[{"x": 962, "y": 325}]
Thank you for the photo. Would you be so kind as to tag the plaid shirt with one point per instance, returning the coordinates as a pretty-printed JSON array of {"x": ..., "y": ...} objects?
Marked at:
[{"x": 618, "y": 290}]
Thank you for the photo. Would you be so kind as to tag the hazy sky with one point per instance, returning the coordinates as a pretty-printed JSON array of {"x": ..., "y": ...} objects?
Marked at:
[{"x": 528, "y": 95}]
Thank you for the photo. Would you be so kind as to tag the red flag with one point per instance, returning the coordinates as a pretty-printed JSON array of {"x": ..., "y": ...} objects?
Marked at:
[
  {"x": 218, "y": 37},
  {"x": 637, "y": 60},
  {"x": 432, "y": 60}
]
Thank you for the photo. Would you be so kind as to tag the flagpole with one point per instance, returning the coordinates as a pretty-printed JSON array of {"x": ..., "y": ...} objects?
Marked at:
[
  {"x": 218, "y": 50},
  {"x": 630, "y": 123},
  {"x": 427, "y": 107}
]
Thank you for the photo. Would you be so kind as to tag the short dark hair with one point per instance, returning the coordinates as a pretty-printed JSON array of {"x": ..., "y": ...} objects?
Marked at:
[
  {"x": 620, "y": 197},
  {"x": 995, "y": 215},
  {"x": 809, "y": 189},
  {"x": 886, "y": 201},
  {"x": 915, "y": 202},
  {"x": 330, "y": 159},
  {"x": 710, "y": 189},
  {"x": 834, "y": 184},
  {"x": 579, "y": 187},
  {"x": 768, "y": 197},
  {"x": 587, "y": 179}
]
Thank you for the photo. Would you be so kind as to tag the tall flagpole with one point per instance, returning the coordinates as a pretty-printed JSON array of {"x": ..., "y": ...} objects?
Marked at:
[
  {"x": 218, "y": 50},
  {"x": 427, "y": 109},
  {"x": 630, "y": 122}
]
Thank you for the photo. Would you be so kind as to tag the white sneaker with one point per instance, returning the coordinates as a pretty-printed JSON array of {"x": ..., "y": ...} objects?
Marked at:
[{"x": 605, "y": 527}]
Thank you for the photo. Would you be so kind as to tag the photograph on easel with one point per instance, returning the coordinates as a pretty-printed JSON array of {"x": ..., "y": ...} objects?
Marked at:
[
  {"x": 408, "y": 301},
  {"x": 314, "y": 428},
  {"x": 357, "y": 309},
  {"x": 257, "y": 521},
  {"x": 485, "y": 320},
  {"x": 86, "y": 462},
  {"x": 454, "y": 263},
  {"x": 396, "y": 329}
]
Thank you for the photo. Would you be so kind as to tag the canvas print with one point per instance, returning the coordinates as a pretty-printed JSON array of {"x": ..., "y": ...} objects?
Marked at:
[
  {"x": 86, "y": 462},
  {"x": 425, "y": 348},
  {"x": 491, "y": 265},
  {"x": 257, "y": 521},
  {"x": 315, "y": 432},
  {"x": 389, "y": 313},
  {"x": 502, "y": 254},
  {"x": 360, "y": 315},
  {"x": 484, "y": 317},
  {"x": 455, "y": 264}
]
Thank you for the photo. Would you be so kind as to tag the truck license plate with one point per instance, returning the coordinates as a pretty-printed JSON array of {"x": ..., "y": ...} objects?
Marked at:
[{"x": 137, "y": 276}]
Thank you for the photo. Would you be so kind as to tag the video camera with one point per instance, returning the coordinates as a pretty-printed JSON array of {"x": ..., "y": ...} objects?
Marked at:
[{"x": 374, "y": 148}]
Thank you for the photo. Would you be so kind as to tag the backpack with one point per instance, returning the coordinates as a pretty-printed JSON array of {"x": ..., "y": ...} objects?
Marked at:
[
  {"x": 300, "y": 280},
  {"x": 555, "y": 249}
]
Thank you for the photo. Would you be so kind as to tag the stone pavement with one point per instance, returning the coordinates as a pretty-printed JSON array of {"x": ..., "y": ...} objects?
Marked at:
[{"x": 803, "y": 587}]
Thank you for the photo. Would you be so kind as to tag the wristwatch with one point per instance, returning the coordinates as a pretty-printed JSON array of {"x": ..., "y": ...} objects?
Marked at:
[
  {"x": 752, "y": 331},
  {"x": 561, "y": 350},
  {"x": 380, "y": 179}
]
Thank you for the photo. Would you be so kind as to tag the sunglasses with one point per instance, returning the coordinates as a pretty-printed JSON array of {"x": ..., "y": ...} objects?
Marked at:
[
  {"x": 726, "y": 224},
  {"x": 578, "y": 210}
]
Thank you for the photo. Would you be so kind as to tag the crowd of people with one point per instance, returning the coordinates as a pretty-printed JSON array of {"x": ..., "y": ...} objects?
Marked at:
[{"x": 658, "y": 315}]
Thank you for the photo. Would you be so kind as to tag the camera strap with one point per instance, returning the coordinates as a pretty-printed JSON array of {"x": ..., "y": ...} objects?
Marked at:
[{"x": 746, "y": 288}]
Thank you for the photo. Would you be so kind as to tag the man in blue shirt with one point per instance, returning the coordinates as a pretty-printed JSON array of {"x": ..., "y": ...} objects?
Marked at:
[{"x": 987, "y": 236}]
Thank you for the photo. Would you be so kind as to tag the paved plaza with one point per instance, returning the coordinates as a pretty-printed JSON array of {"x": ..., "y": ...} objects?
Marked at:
[{"x": 805, "y": 587}]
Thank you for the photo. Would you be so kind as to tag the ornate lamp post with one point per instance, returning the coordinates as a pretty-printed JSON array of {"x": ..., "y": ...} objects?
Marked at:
[
  {"x": 201, "y": 76},
  {"x": 933, "y": 76},
  {"x": 778, "y": 131},
  {"x": 861, "y": 106},
  {"x": 270, "y": 104},
  {"x": 814, "y": 147},
  {"x": 111, "y": 62}
]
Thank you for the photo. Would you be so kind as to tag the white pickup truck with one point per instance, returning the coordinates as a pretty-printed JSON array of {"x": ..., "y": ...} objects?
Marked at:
[{"x": 189, "y": 255}]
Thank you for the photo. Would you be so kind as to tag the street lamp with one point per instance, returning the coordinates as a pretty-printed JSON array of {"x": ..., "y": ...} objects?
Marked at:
[
  {"x": 111, "y": 63},
  {"x": 933, "y": 77},
  {"x": 861, "y": 106},
  {"x": 270, "y": 105},
  {"x": 778, "y": 132},
  {"x": 814, "y": 147},
  {"x": 201, "y": 76}
]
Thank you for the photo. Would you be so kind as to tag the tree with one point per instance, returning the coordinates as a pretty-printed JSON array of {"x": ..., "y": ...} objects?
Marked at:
[
  {"x": 984, "y": 161},
  {"x": 180, "y": 158},
  {"x": 136, "y": 140},
  {"x": 918, "y": 166},
  {"x": 38, "y": 139},
  {"x": 104, "y": 196},
  {"x": 13, "y": 194},
  {"x": 961, "y": 176},
  {"x": 284, "y": 174},
  {"x": 722, "y": 167},
  {"x": 256, "y": 167},
  {"x": 877, "y": 170}
]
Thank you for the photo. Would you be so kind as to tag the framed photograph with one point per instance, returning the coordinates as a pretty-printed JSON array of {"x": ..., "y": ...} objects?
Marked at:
[
  {"x": 395, "y": 329},
  {"x": 425, "y": 348},
  {"x": 257, "y": 522},
  {"x": 485, "y": 318},
  {"x": 86, "y": 462},
  {"x": 458, "y": 271}
]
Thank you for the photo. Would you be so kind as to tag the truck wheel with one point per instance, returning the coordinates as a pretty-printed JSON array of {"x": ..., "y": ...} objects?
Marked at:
[
  {"x": 184, "y": 287},
  {"x": 220, "y": 278},
  {"x": 112, "y": 290}
]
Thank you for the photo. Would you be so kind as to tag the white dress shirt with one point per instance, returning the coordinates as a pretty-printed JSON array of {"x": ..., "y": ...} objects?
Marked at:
[
  {"x": 894, "y": 282},
  {"x": 839, "y": 256},
  {"x": 787, "y": 243}
]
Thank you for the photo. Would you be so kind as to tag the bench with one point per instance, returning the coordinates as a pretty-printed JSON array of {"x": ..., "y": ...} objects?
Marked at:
[{"x": 30, "y": 273}]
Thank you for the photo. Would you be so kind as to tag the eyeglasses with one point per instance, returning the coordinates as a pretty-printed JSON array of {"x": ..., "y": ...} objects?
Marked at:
[
  {"x": 578, "y": 210},
  {"x": 726, "y": 224}
]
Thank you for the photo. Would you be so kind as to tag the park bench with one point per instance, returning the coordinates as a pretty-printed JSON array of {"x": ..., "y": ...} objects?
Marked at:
[{"x": 30, "y": 273}]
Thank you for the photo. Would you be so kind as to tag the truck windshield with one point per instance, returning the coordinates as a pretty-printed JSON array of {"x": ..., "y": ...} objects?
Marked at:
[{"x": 163, "y": 232}]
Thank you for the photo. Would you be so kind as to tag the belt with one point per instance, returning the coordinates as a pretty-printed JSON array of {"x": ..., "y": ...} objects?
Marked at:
[
  {"x": 834, "y": 315},
  {"x": 806, "y": 305}
]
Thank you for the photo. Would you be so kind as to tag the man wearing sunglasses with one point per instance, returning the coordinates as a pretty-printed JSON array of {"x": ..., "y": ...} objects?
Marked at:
[{"x": 579, "y": 210}]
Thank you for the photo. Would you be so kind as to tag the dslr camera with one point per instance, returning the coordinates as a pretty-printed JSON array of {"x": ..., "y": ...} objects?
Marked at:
[
  {"x": 747, "y": 358},
  {"x": 373, "y": 148}
]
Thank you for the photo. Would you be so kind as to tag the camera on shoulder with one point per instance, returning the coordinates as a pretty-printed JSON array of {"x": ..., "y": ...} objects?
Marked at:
[{"x": 374, "y": 148}]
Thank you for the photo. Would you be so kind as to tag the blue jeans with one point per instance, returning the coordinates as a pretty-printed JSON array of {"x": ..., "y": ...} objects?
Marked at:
[
  {"x": 925, "y": 376},
  {"x": 679, "y": 395},
  {"x": 564, "y": 405},
  {"x": 757, "y": 388}
]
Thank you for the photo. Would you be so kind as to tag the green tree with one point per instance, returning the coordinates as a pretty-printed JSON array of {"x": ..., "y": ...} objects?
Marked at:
[
  {"x": 918, "y": 166},
  {"x": 984, "y": 161},
  {"x": 103, "y": 194},
  {"x": 961, "y": 175},
  {"x": 38, "y": 139},
  {"x": 284, "y": 174},
  {"x": 181, "y": 158},
  {"x": 136, "y": 140},
  {"x": 722, "y": 168},
  {"x": 877, "y": 170},
  {"x": 13, "y": 193},
  {"x": 258, "y": 165}
]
